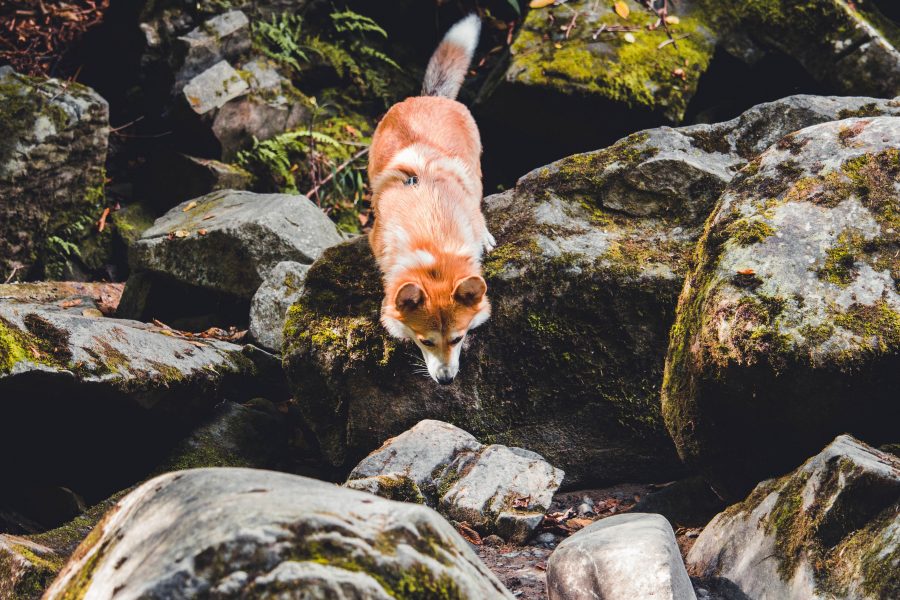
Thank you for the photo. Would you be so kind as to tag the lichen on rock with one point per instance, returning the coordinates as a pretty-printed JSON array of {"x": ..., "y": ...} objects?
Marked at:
[{"x": 791, "y": 334}]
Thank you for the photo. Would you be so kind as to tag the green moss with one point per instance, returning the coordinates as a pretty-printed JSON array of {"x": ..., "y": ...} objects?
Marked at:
[
  {"x": 636, "y": 74},
  {"x": 401, "y": 488},
  {"x": 748, "y": 231},
  {"x": 840, "y": 260},
  {"x": 878, "y": 324},
  {"x": 40, "y": 343},
  {"x": 866, "y": 110}
]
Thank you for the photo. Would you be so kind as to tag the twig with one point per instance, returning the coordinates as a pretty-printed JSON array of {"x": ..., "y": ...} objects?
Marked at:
[
  {"x": 661, "y": 14},
  {"x": 665, "y": 43},
  {"x": 571, "y": 24},
  {"x": 128, "y": 124},
  {"x": 13, "y": 274},
  {"x": 340, "y": 167}
]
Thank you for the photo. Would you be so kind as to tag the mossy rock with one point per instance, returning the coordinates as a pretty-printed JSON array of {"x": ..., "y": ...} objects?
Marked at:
[
  {"x": 250, "y": 533},
  {"x": 826, "y": 530},
  {"x": 585, "y": 59},
  {"x": 583, "y": 283},
  {"x": 849, "y": 46},
  {"x": 53, "y": 140},
  {"x": 788, "y": 328}
]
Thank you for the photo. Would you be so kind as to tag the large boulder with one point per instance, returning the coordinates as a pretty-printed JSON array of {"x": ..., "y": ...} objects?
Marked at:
[
  {"x": 848, "y": 46},
  {"x": 238, "y": 533},
  {"x": 619, "y": 558},
  {"x": 220, "y": 248},
  {"x": 826, "y": 530},
  {"x": 97, "y": 402},
  {"x": 495, "y": 489},
  {"x": 592, "y": 252},
  {"x": 53, "y": 139},
  {"x": 787, "y": 329},
  {"x": 573, "y": 61}
]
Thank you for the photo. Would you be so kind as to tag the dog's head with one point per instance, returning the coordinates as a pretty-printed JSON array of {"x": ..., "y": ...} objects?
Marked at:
[{"x": 436, "y": 309}]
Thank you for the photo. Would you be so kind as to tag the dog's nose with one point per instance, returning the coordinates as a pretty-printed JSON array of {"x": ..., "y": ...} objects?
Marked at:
[{"x": 445, "y": 379}]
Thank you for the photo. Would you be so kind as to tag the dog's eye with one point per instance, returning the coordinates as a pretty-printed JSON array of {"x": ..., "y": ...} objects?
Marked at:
[
  {"x": 428, "y": 343},
  {"x": 412, "y": 180},
  {"x": 456, "y": 340}
]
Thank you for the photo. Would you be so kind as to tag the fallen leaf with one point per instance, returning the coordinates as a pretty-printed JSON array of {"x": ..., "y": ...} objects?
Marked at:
[
  {"x": 746, "y": 272},
  {"x": 352, "y": 130},
  {"x": 208, "y": 217},
  {"x": 470, "y": 534},
  {"x": 557, "y": 45},
  {"x": 190, "y": 205},
  {"x": 629, "y": 37},
  {"x": 540, "y": 3},
  {"x": 679, "y": 72},
  {"x": 181, "y": 233},
  {"x": 70, "y": 303},
  {"x": 91, "y": 312},
  {"x": 522, "y": 502},
  {"x": 201, "y": 232},
  {"x": 672, "y": 20},
  {"x": 101, "y": 224},
  {"x": 621, "y": 9},
  {"x": 194, "y": 100},
  {"x": 579, "y": 523}
]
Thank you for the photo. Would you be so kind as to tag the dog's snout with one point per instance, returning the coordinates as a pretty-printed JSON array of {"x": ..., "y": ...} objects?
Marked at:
[
  {"x": 445, "y": 379},
  {"x": 445, "y": 375}
]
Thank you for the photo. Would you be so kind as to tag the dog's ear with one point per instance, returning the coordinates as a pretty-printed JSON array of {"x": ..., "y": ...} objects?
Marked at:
[
  {"x": 470, "y": 291},
  {"x": 409, "y": 297}
]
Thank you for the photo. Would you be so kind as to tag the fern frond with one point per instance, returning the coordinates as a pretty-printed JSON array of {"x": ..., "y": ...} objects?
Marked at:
[{"x": 348, "y": 20}]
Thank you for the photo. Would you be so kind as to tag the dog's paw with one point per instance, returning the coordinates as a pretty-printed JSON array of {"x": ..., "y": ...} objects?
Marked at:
[{"x": 489, "y": 242}]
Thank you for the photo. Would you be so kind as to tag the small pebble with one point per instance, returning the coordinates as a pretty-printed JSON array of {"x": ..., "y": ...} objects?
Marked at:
[{"x": 545, "y": 538}]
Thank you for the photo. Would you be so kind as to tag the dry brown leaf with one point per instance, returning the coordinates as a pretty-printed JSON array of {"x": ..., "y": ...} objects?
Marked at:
[
  {"x": 470, "y": 534},
  {"x": 70, "y": 303},
  {"x": 190, "y": 205},
  {"x": 194, "y": 100},
  {"x": 522, "y": 502},
  {"x": 101, "y": 224},
  {"x": 672, "y": 20},
  {"x": 201, "y": 232},
  {"x": 207, "y": 217},
  {"x": 540, "y": 3},
  {"x": 91, "y": 312},
  {"x": 622, "y": 9},
  {"x": 181, "y": 233},
  {"x": 746, "y": 272}
]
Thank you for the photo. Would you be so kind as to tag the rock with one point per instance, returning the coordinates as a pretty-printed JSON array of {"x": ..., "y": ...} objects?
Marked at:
[
  {"x": 26, "y": 567},
  {"x": 850, "y": 48},
  {"x": 494, "y": 489},
  {"x": 828, "y": 529},
  {"x": 98, "y": 296},
  {"x": 244, "y": 235},
  {"x": 787, "y": 329},
  {"x": 618, "y": 558},
  {"x": 223, "y": 37},
  {"x": 84, "y": 385},
  {"x": 53, "y": 140},
  {"x": 272, "y": 107},
  {"x": 214, "y": 87},
  {"x": 248, "y": 533},
  {"x": 575, "y": 73},
  {"x": 271, "y": 302}
]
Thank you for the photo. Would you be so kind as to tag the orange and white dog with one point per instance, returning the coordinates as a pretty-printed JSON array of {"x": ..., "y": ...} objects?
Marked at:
[{"x": 429, "y": 233}]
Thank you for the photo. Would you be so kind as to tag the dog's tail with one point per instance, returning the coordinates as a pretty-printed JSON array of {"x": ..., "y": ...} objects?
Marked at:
[{"x": 448, "y": 65}]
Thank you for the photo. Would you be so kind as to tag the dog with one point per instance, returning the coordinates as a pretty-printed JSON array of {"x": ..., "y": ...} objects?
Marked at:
[{"x": 429, "y": 233}]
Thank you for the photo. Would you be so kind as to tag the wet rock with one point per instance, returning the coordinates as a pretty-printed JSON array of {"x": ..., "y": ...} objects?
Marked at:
[
  {"x": 247, "y": 533},
  {"x": 53, "y": 140},
  {"x": 223, "y": 37},
  {"x": 850, "y": 48},
  {"x": 621, "y": 557},
  {"x": 494, "y": 489},
  {"x": 224, "y": 243},
  {"x": 828, "y": 529},
  {"x": 271, "y": 302},
  {"x": 788, "y": 324}
]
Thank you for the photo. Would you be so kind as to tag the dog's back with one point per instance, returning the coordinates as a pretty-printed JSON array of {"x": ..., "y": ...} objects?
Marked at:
[{"x": 434, "y": 121}]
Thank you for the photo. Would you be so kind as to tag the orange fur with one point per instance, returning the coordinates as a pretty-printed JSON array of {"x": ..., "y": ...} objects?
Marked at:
[{"x": 428, "y": 237}]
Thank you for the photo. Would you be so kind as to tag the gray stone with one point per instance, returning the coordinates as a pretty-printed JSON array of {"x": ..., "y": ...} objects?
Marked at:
[
  {"x": 494, "y": 489},
  {"x": 271, "y": 302},
  {"x": 26, "y": 567},
  {"x": 53, "y": 140},
  {"x": 826, "y": 530},
  {"x": 243, "y": 532},
  {"x": 620, "y": 558},
  {"x": 212, "y": 88},
  {"x": 223, "y": 37},
  {"x": 787, "y": 329},
  {"x": 244, "y": 236}
]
